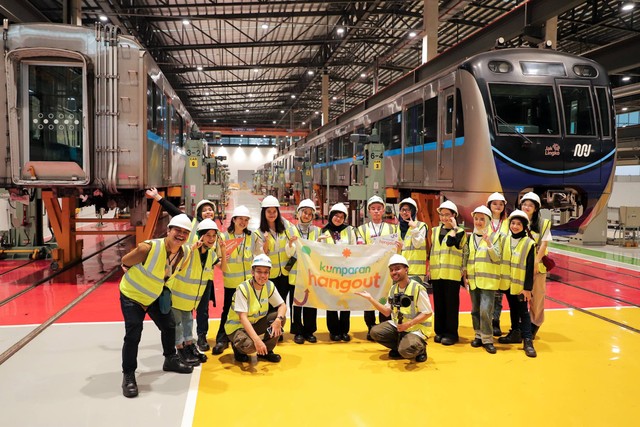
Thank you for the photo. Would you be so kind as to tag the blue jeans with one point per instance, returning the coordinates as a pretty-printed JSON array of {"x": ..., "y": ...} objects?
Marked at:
[
  {"x": 133, "y": 314},
  {"x": 482, "y": 301},
  {"x": 184, "y": 325},
  {"x": 202, "y": 312}
]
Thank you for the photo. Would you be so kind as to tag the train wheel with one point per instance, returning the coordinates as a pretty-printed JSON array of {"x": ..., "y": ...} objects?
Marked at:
[{"x": 54, "y": 266}]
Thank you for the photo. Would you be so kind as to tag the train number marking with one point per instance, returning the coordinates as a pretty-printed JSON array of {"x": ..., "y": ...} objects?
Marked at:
[
  {"x": 377, "y": 165},
  {"x": 582, "y": 150},
  {"x": 193, "y": 162}
]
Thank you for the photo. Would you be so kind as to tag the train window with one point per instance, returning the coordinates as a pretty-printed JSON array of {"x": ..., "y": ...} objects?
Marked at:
[
  {"x": 56, "y": 110},
  {"x": 413, "y": 122},
  {"x": 150, "y": 105},
  {"x": 430, "y": 130},
  {"x": 583, "y": 70},
  {"x": 605, "y": 112},
  {"x": 319, "y": 152},
  {"x": 390, "y": 130},
  {"x": 530, "y": 68},
  {"x": 459, "y": 115},
  {"x": 347, "y": 147},
  {"x": 578, "y": 110},
  {"x": 526, "y": 109},
  {"x": 448, "y": 124}
]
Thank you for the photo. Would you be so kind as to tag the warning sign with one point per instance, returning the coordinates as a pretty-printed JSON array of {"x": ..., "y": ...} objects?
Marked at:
[
  {"x": 308, "y": 173},
  {"x": 193, "y": 162},
  {"x": 377, "y": 165}
]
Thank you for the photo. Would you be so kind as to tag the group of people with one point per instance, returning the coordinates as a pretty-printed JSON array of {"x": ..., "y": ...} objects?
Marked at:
[{"x": 168, "y": 280}]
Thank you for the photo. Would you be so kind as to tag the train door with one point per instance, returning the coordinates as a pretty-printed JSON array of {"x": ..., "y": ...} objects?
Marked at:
[
  {"x": 446, "y": 131},
  {"x": 412, "y": 143}
]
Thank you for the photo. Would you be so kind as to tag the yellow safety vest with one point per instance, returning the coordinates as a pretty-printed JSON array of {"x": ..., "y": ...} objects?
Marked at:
[
  {"x": 417, "y": 257},
  {"x": 385, "y": 230},
  {"x": 503, "y": 228},
  {"x": 314, "y": 233},
  {"x": 144, "y": 282},
  {"x": 189, "y": 283},
  {"x": 239, "y": 262},
  {"x": 537, "y": 237},
  {"x": 258, "y": 305},
  {"x": 482, "y": 272},
  {"x": 347, "y": 236},
  {"x": 277, "y": 254},
  {"x": 513, "y": 268},
  {"x": 445, "y": 262},
  {"x": 410, "y": 312}
]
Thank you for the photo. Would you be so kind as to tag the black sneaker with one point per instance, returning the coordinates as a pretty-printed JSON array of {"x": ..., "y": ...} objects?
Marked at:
[
  {"x": 394, "y": 354},
  {"x": 422, "y": 357},
  {"x": 270, "y": 357},
  {"x": 528, "y": 348},
  {"x": 298, "y": 339},
  {"x": 203, "y": 345},
  {"x": 187, "y": 357},
  {"x": 490, "y": 348},
  {"x": 311, "y": 338},
  {"x": 219, "y": 347},
  {"x": 345, "y": 337},
  {"x": 477, "y": 342},
  {"x": 194, "y": 351},
  {"x": 174, "y": 364},
  {"x": 129, "y": 385},
  {"x": 513, "y": 337}
]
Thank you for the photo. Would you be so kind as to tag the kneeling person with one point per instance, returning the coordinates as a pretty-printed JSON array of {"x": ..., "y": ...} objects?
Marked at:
[
  {"x": 250, "y": 327},
  {"x": 409, "y": 306}
]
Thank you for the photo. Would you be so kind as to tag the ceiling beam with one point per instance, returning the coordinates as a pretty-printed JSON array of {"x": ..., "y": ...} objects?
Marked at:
[{"x": 21, "y": 11}]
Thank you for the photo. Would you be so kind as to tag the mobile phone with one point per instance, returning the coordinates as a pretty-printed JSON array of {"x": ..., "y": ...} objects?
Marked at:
[{"x": 270, "y": 331}]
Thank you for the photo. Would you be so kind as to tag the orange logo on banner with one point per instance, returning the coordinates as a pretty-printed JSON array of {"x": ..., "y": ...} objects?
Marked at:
[{"x": 231, "y": 245}]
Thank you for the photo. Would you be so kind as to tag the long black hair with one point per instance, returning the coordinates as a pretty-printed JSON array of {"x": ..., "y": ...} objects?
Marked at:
[
  {"x": 264, "y": 225},
  {"x": 232, "y": 227}
]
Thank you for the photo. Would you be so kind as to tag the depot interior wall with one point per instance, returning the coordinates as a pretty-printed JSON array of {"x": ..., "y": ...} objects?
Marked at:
[{"x": 244, "y": 158}]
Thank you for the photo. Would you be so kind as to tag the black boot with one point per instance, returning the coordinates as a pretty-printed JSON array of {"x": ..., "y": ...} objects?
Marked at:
[
  {"x": 219, "y": 347},
  {"x": 174, "y": 364},
  {"x": 194, "y": 351},
  {"x": 496, "y": 328},
  {"x": 534, "y": 330},
  {"x": 240, "y": 357},
  {"x": 270, "y": 356},
  {"x": 513, "y": 337},
  {"x": 187, "y": 357},
  {"x": 422, "y": 357},
  {"x": 129, "y": 385},
  {"x": 203, "y": 345},
  {"x": 528, "y": 348}
]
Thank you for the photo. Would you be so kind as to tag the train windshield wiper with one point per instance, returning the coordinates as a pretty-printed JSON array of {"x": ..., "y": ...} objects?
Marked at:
[{"x": 513, "y": 128}]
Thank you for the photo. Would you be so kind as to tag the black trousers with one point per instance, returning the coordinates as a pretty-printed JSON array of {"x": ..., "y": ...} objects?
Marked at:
[
  {"x": 221, "y": 336},
  {"x": 338, "y": 322},
  {"x": 520, "y": 317},
  {"x": 370, "y": 318},
  {"x": 202, "y": 311},
  {"x": 446, "y": 307},
  {"x": 304, "y": 320},
  {"x": 282, "y": 286},
  {"x": 133, "y": 314}
]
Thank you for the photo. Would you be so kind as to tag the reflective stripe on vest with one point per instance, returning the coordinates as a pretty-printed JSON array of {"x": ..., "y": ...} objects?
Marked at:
[
  {"x": 514, "y": 265},
  {"x": 189, "y": 283},
  {"x": 257, "y": 308},
  {"x": 445, "y": 262},
  {"x": 482, "y": 272},
  {"x": 409, "y": 313},
  {"x": 277, "y": 255},
  {"x": 313, "y": 234},
  {"x": 144, "y": 282},
  {"x": 385, "y": 230},
  {"x": 347, "y": 236},
  {"x": 417, "y": 257},
  {"x": 239, "y": 263}
]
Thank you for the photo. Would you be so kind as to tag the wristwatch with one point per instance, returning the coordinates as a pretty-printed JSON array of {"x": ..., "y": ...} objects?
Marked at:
[{"x": 282, "y": 318}]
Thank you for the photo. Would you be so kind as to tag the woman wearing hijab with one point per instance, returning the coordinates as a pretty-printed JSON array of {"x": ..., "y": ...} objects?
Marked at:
[{"x": 413, "y": 235}]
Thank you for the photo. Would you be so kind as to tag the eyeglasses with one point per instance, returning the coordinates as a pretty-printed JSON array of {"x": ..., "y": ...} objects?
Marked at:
[
  {"x": 445, "y": 215},
  {"x": 405, "y": 210}
]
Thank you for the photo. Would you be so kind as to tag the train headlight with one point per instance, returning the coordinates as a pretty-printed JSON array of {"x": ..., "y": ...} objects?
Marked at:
[
  {"x": 500, "y": 67},
  {"x": 585, "y": 70}
]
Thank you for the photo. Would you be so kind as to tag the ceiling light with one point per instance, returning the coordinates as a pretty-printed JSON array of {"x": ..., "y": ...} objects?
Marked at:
[
  {"x": 413, "y": 34},
  {"x": 207, "y": 93},
  {"x": 256, "y": 70},
  {"x": 625, "y": 108},
  {"x": 363, "y": 75},
  {"x": 246, "y": 111},
  {"x": 628, "y": 6},
  {"x": 210, "y": 109},
  {"x": 304, "y": 123},
  {"x": 103, "y": 18},
  {"x": 215, "y": 121},
  {"x": 250, "y": 95},
  {"x": 293, "y": 97},
  {"x": 244, "y": 121},
  {"x": 626, "y": 78},
  {"x": 340, "y": 30},
  {"x": 199, "y": 68},
  {"x": 317, "y": 112},
  {"x": 274, "y": 122},
  {"x": 186, "y": 22},
  {"x": 335, "y": 98},
  {"x": 310, "y": 72},
  {"x": 265, "y": 26},
  {"x": 281, "y": 111}
]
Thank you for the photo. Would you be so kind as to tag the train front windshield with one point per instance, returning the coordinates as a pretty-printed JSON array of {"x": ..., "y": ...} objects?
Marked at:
[
  {"x": 524, "y": 109},
  {"x": 55, "y": 95}
]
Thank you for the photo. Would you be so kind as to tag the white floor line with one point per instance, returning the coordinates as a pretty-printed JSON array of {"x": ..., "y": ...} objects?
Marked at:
[{"x": 192, "y": 396}]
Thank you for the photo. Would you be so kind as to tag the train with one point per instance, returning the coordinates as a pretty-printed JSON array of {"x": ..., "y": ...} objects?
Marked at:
[
  {"x": 509, "y": 120},
  {"x": 88, "y": 109}
]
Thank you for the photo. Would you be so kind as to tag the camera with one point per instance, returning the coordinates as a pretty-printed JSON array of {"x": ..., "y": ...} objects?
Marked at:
[{"x": 400, "y": 300}]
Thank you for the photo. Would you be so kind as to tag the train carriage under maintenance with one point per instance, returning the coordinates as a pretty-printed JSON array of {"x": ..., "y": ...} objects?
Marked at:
[{"x": 509, "y": 120}]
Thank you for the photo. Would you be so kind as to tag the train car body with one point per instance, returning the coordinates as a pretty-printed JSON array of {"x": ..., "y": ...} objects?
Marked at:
[
  {"x": 510, "y": 120},
  {"x": 87, "y": 108}
]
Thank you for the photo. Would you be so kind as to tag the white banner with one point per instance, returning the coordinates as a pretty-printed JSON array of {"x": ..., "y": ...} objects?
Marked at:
[{"x": 329, "y": 275}]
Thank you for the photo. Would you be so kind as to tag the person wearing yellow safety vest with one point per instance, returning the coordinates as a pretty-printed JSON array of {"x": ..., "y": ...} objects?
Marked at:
[
  {"x": 251, "y": 327},
  {"x": 188, "y": 286},
  {"x": 205, "y": 209},
  {"x": 541, "y": 233},
  {"x": 481, "y": 273},
  {"x": 368, "y": 233},
  {"x": 445, "y": 273},
  {"x": 239, "y": 255},
  {"x": 517, "y": 279},
  {"x": 413, "y": 235},
  {"x": 304, "y": 319},
  {"x": 143, "y": 290},
  {"x": 406, "y": 333},
  {"x": 499, "y": 224},
  {"x": 337, "y": 232},
  {"x": 271, "y": 239}
]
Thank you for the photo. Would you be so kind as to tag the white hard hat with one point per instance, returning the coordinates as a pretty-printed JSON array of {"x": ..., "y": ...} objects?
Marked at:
[
  {"x": 448, "y": 205},
  {"x": 261, "y": 260},
  {"x": 519, "y": 214},
  {"x": 531, "y": 196},
  {"x": 201, "y": 203},
  {"x": 181, "y": 221},
  {"x": 375, "y": 199},
  {"x": 483, "y": 210},
  {"x": 307, "y": 203},
  {"x": 207, "y": 224},
  {"x": 409, "y": 201},
  {"x": 241, "y": 211},
  {"x": 340, "y": 207},
  {"x": 398, "y": 259},
  {"x": 496, "y": 197},
  {"x": 270, "y": 202}
]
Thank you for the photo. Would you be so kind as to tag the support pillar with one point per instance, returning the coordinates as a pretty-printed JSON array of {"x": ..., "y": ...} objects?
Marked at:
[
  {"x": 430, "y": 39},
  {"x": 325, "y": 97},
  {"x": 551, "y": 31}
]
